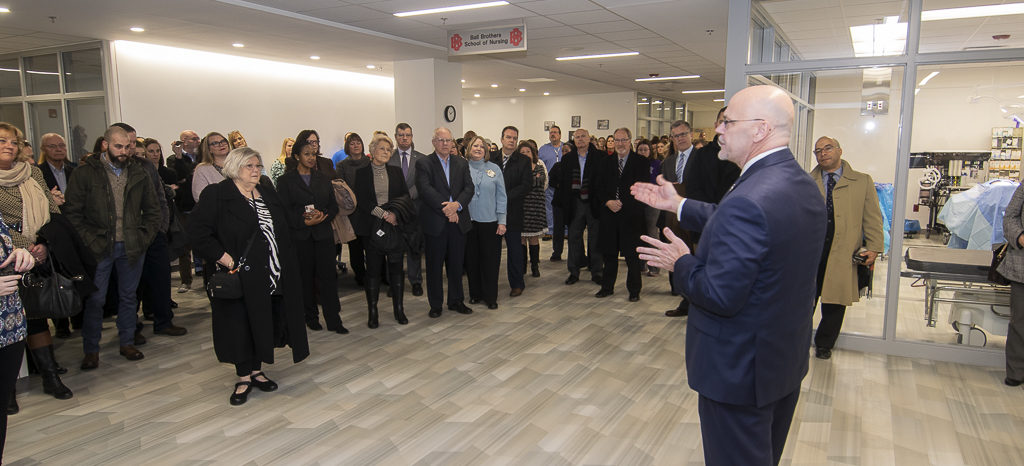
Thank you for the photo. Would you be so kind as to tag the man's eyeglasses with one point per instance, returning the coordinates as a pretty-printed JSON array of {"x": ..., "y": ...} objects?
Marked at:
[
  {"x": 55, "y": 146},
  {"x": 727, "y": 122},
  {"x": 621, "y": 140},
  {"x": 828, "y": 148},
  {"x": 444, "y": 141},
  {"x": 219, "y": 142},
  {"x": 252, "y": 167},
  {"x": 679, "y": 135}
]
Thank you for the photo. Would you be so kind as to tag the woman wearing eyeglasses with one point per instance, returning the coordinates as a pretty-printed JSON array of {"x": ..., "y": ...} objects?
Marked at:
[
  {"x": 310, "y": 207},
  {"x": 241, "y": 224},
  {"x": 213, "y": 151}
]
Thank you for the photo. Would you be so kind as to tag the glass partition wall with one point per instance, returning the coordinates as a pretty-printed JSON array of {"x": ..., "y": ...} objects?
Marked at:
[{"x": 926, "y": 97}]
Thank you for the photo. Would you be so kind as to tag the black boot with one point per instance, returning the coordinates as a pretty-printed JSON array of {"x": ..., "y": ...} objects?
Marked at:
[
  {"x": 61, "y": 370},
  {"x": 48, "y": 370},
  {"x": 525, "y": 258},
  {"x": 372, "y": 292},
  {"x": 12, "y": 406},
  {"x": 397, "y": 290},
  {"x": 535, "y": 260}
]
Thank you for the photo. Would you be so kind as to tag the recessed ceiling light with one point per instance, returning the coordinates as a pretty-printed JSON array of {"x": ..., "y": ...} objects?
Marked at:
[
  {"x": 314, "y": 57},
  {"x": 449, "y": 8},
  {"x": 494, "y": 85},
  {"x": 4, "y": 9},
  {"x": 973, "y": 12},
  {"x": 600, "y": 55},
  {"x": 463, "y": 81},
  {"x": 136, "y": 29},
  {"x": 522, "y": 89},
  {"x": 371, "y": 67},
  {"x": 668, "y": 78},
  {"x": 238, "y": 45},
  {"x": 476, "y": 95},
  {"x": 547, "y": 93},
  {"x": 704, "y": 91}
]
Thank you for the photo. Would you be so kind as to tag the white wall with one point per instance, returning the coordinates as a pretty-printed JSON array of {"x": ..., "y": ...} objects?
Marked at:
[
  {"x": 488, "y": 116},
  {"x": 165, "y": 90}
]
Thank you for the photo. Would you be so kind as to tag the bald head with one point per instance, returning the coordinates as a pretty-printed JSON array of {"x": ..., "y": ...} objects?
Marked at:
[
  {"x": 758, "y": 118},
  {"x": 55, "y": 150},
  {"x": 442, "y": 142}
]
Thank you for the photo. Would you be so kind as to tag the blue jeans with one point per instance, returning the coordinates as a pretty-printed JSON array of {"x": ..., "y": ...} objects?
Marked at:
[{"x": 128, "y": 273}]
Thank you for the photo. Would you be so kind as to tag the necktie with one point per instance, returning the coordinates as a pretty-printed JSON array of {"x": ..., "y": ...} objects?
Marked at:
[
  {"x": 679, "y": 167},
  {"x": 829, "y": 208},
  {"x": 405, "y": 164},
  {"x": 504, "y": 162},
  {"x": 622, "y": 164}
]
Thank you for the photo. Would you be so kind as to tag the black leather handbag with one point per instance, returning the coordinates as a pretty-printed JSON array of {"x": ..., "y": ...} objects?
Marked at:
[
  {"x": 227, "y": 283},
  {"x": 48, "y": 294},
  {"x": 997, "y": 258}
]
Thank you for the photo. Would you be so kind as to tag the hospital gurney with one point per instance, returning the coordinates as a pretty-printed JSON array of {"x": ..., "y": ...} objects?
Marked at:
[{"x": 976, "y": 303}]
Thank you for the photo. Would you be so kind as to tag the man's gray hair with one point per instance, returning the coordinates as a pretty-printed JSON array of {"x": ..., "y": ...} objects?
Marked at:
[
  {"x": 236, "y": 158},
  {"x": 678, "y": 123},
  {"x": 629, "y": 134}
]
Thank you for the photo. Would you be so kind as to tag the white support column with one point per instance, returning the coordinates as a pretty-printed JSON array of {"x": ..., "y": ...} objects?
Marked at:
[{"x": 423, "y": 88}]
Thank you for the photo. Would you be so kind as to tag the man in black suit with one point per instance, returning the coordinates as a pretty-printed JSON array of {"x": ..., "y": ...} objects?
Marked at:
[
  {"x": 621, "y": 216},
  {"x": 445, "y": 189},
  {"x": 55, "y": 165},
  {"x": 573, "y": 191},
  {"x": 698, "y": 174},
  {"x": 518, "y": 173},
  {"x": 406, "y": 158}
]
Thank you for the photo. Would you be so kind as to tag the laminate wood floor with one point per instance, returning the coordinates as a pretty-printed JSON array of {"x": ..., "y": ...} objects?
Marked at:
[{"x": 553, "y": 377}]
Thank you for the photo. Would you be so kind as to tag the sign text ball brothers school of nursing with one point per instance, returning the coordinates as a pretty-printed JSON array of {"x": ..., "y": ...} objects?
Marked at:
[{"x": 487, "y": 40}]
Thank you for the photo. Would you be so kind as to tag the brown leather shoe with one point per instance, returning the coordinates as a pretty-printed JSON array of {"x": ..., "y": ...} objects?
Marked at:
[
  {"x": 130, "y": 353},
  {"x": 90, "y": 361},
  {"x": 515, "y": 292},
  {"x": 171, "y": 330}
]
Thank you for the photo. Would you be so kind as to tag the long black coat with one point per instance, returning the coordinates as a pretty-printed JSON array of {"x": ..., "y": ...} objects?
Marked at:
[
  {"x": 296, "y": 196},
  {"x": 223, "y": 221},
  {"x": 627, "y": 222},
  {"x": 565, "y": 197},
  {"x": 363, "y": 221},
  {"x": 518, "y": 174}
]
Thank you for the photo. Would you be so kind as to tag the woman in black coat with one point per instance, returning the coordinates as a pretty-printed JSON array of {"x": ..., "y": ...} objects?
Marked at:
[
  {"x": 383, "y": 205},
  {"x": 227, "y": 217},
  {"x": 310, "y": 207}
]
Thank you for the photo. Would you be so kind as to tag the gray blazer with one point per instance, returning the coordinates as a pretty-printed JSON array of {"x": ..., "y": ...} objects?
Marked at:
[
  {"x": 1012, "y": 266},
  {"x": 410, "y": 180}
]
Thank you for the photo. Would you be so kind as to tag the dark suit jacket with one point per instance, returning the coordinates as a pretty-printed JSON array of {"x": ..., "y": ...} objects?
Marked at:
[
  {"x": 629, "y": 221},
  {"x": 410, "y": 181},
  {"x": 363, "y": 220},
  {"x": 565, "y": 197},
  {"x": 51, "y": 181},
  {"x": 296, "y": 196},
  {"x": 751, "y": 284},
  {"x": 518, "y": 176},
  {"x": 183, "y": 168},
  {"x": 710, "y": 176},
  {"x": 434, "y": 189}
]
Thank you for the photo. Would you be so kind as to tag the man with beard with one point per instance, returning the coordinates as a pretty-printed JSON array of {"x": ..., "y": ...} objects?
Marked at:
[{"x": 112, "y": 204}]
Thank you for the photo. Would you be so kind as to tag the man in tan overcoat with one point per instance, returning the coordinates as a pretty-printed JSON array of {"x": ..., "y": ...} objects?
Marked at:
[{"x": 854, "y": 221}]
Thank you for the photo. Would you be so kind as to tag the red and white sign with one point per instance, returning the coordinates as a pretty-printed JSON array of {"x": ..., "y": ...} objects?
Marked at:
[{"x": 495, "y": 39}]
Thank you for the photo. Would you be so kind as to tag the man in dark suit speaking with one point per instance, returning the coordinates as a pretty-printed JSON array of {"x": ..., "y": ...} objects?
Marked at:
[{"x": 749, "y": 284}]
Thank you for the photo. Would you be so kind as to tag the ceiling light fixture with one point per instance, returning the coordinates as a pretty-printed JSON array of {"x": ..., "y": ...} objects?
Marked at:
[
  {"x": 314, "y": 57},
  {"x": 494, "y": 85},
  {"x": 667, "y": 78},
  {"x": 238, "y": 45},
  {"x": 547, "y": 93},
  {"x": 446, "y": 9},
  {"x": 476, "y": 95},
  {"x": 4, "y": 9},
  {"x": 973, "y": 12},
  {"x": 463, "y": 81},
  {"x": 600, "y": 55},
  {"x": 136, "y": 29},
  {"x": 877, "y": 40},
  {"x": 522, "y": 89},
  {"x": 704, "y": 91},
  {"x": 928, "y": 78}
]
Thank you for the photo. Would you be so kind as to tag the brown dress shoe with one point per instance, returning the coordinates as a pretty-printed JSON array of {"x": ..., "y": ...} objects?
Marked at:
[
  {"x": 130, "y": 353},
  {"x": 171, "y": 330},
  {"x": 90, "y": 361},
  {"x": 515, "y": 292}
]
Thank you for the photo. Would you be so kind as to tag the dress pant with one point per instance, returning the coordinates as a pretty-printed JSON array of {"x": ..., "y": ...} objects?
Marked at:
[
  {"x": 832, "y": 315},
  {"x": 243, "y": 343},
  {"x": 10, "y": 364},
  {"x": 414, "y": 258},
  {"x": 549, "y": 196},
  {"x": 483, "y": 256},
  {"x": 611, "y": 271},
  {"x": 319, "y": 279},
  {"x": 516, "y": 266},
  {"x": 1015, "y": 333},
  {"x": 155, "y": 290},
  {"x": 612, "y": 225},
  {"x": 582, "y": 219},
  {"x": 747, "y": 435},
  {"x": 357, "y": 257},
  {"x": 128, "y": 273},
  {"x": 185, "y": 260},
  {"x": 558, "y": 231},
  {"x": 651, "y": 218},
  {"x": 379, "y": 264},
  {"x": 447, "y": 251}
]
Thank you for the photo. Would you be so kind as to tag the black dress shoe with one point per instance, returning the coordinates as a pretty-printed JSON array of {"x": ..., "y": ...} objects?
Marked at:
[
  {"x": 171, "y": 330},
  {"x": 314, "y": 324},
  {"x": 1012, "y": 382},
  {"x": 434, "y": 313},
  {"x": 240, "y": 398},
  {"x": 555, "y": 258},
  {"x": 417, "y": 289},
  {"x": 822, "y": 353},
  {"x": 265, "y": 386},
  {"x": 603, "y": 293},
  {"x": 341, "y": 329},
  {"x": 174, "y": 304},
  {"x": 634, "y": 297},
  {"x": 677, "y": 312},
  {"x": 460, "y": 308},
  {"x": 572, "y": 279},
  {"x": 473, "y": 300},
  {"x": 492, "y": 305}
]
